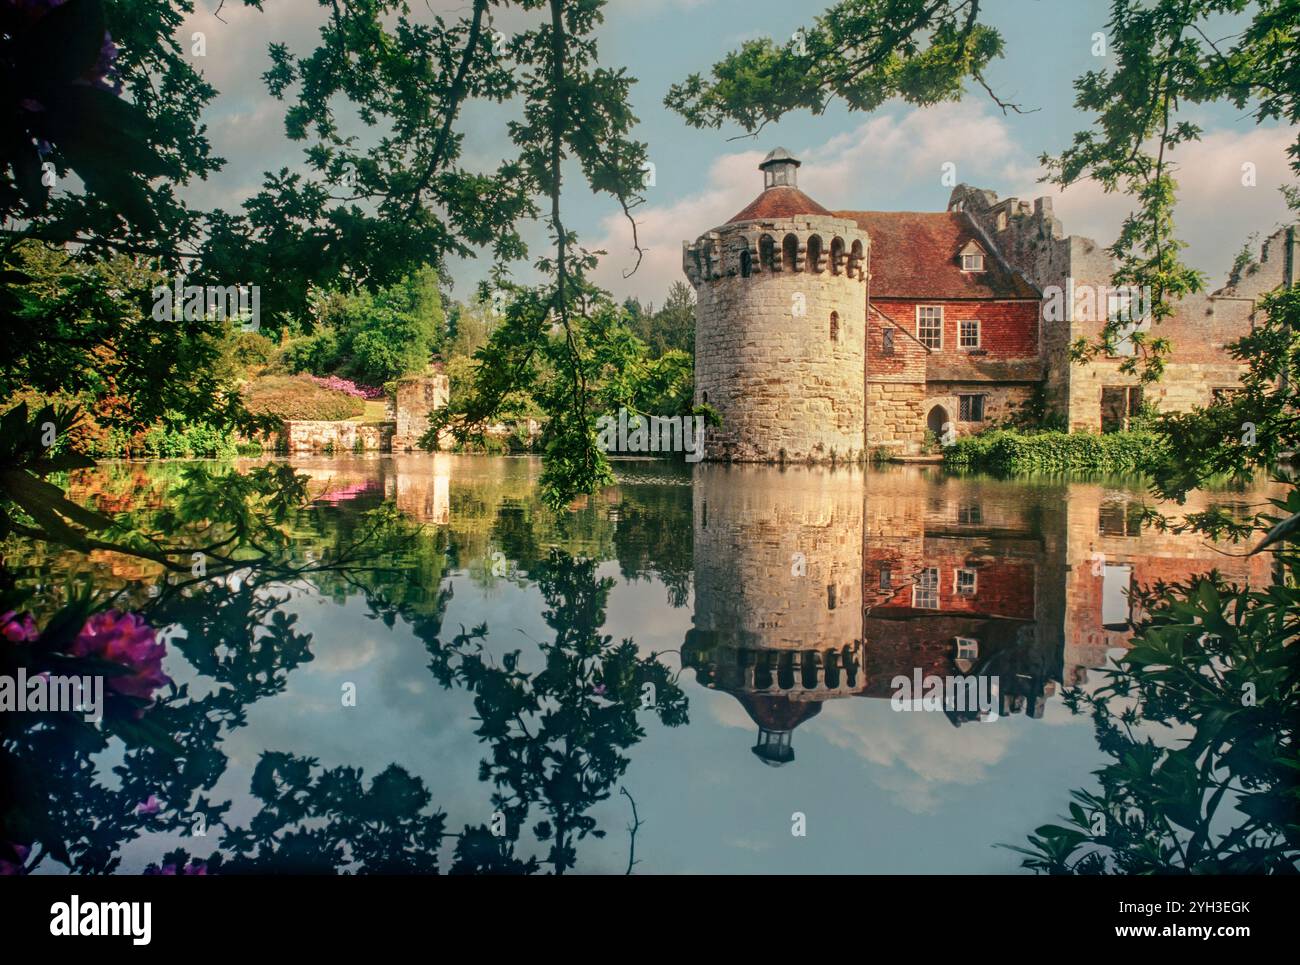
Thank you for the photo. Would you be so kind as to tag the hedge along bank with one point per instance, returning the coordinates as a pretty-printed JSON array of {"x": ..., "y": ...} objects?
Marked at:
[{"x": 1009, "y": 452}]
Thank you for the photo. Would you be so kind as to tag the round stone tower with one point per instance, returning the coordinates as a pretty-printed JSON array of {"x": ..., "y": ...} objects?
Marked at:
[{"x": 780, "y": 323}]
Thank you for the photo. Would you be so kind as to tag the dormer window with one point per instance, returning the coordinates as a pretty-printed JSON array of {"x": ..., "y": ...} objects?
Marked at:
[{"x": 972, "y": 256}]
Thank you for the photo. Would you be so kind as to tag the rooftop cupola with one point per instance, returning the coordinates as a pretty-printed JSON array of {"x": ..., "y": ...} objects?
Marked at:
[{"x": 780, "y": 169}]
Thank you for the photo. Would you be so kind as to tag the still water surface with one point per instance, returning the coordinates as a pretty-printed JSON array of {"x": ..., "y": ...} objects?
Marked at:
[{"x": 765, "y": 614}]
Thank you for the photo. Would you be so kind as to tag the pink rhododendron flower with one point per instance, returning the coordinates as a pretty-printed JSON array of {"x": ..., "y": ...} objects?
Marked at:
[
  {"x": 151, "y": 806},
  {"x": 348, "y": 386},
  {"x": 125, "y": 639},
  {"x": 18, "y": 629}
]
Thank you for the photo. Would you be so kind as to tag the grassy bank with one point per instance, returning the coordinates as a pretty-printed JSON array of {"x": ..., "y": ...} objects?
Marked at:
[{"x": 1008, "y": 452}]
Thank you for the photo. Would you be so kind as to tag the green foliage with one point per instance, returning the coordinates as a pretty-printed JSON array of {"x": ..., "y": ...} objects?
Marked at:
[
  {"x": 472, "y": 328},
  {"x": 672, "y": 327},
  {"x": 372, "y": 338},
  {"x": 250, "y": 349},
  {"x": 558, "y": 736},
  {"x": 284, "y": 397},
  {"x": 1009, "y": 452},
  {"x": 317, "y": 353},
  {"x": 181, "y": 442},
  {"x": 62, "y": 107},
  {"x": 86, "y": 329},
  {"x": 593, "y": 367},
  {"x": 863, "y": 51}
]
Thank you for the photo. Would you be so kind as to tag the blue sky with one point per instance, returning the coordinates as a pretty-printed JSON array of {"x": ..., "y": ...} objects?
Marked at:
[{"x": 889, "y": 160}]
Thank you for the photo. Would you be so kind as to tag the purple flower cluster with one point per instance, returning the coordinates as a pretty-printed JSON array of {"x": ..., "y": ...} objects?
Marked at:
[
  {"x": 18, "y": 629},
  {"x": 125, "y": 639},
  {"x": 348, "y": 386},
  {"x": 336, "y": 496}
]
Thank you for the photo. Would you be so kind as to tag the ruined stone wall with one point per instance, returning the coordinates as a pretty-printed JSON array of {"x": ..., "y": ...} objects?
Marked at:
[
  {"x": 1200, "y": 328},
  {"x": 321, "y": 436},
  {"x": 779, "y": 343},
  {"x": 415, "y": 398},
  {"x": 1032, "y": 241},
  {"x": 1102, "y": 528}
]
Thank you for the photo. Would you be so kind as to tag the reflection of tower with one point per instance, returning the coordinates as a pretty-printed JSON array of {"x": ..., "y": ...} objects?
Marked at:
[
  {"x": 778, "y": 601},
  {"x": 422, "y": 487}
]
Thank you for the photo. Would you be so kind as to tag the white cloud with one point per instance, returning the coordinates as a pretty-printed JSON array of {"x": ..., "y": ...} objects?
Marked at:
[
  {"x": 866, "y": 168},
  {"x": 918, "y": 755}
]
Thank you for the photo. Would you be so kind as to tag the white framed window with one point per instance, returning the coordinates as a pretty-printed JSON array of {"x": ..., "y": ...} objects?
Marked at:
[
  {"x": 925, "y": 593},
  {"x": 929, "y": 325},
  {"x": 968, "y": 333},
  {"x": 972, "y": 262},
  {"x": 968, "y": 648},
  {"x": 964, "y": 582}
]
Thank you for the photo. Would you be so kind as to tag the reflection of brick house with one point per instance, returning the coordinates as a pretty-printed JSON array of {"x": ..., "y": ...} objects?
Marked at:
[
  {"x": 822, "y": 334},
  {"x": 955, "y": 576}
]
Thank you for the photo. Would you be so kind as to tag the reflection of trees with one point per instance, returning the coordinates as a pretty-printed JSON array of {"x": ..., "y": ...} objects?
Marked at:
[
  {"x": 56, "y": 793},
  {"x": 654, "y": 537},
  {"x": 558, "y": 734},
  {"x": 1218, "y": 795}
]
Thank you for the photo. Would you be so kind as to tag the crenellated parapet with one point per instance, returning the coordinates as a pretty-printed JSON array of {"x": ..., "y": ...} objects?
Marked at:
[{"x": 836, "y": 247}]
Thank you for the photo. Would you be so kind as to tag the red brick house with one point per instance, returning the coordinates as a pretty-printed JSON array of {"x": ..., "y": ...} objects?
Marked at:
[{"x": 950, "y": 326}]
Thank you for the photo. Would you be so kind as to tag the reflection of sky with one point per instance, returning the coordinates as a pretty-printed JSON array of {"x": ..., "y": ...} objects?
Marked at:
[{"x": 882, "y": 791}]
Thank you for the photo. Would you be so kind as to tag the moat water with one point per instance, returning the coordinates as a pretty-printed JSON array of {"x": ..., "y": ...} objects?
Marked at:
[{"x": 708, "y": 651}]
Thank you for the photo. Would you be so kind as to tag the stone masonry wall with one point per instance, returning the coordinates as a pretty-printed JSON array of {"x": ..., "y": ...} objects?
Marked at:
[
  {"x": 1200, "y": 328},
  {"x": 1001, "y": 402},
  {"x": 896, "y": 415},
  {"x": 1033, "y": 241},
  {"x": 320, "y": 436},
  {"x": 765, "y": 356},
  {"x": 416, "y": 397},
  {"x": 752, "y": 528}
]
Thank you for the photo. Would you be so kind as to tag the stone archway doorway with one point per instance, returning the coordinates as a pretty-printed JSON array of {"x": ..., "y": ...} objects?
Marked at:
[{"x": 936, "y": 420}]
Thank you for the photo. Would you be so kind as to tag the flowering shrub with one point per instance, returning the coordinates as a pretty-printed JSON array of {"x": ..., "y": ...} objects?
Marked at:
[
  {"x": 348, "y": 386},
  {"x": 298, "y": 397},
  {"x": 124, "y": 639},
  {"x": 17, "y": 629}
]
